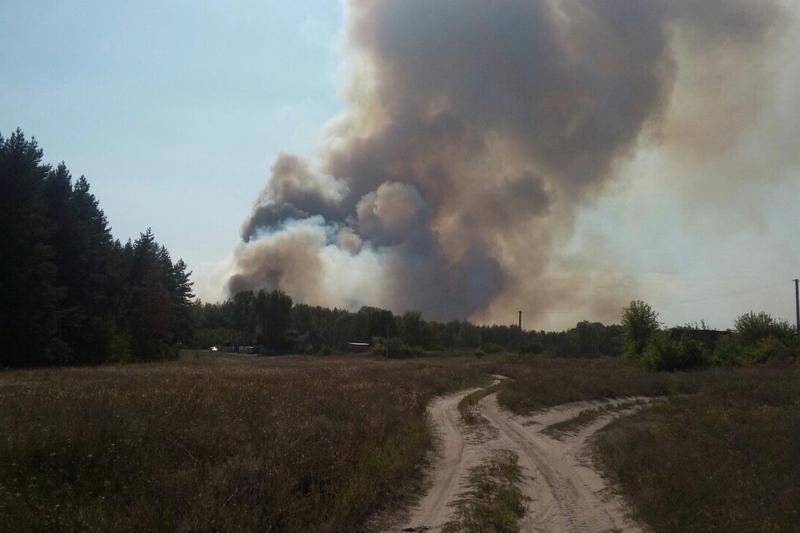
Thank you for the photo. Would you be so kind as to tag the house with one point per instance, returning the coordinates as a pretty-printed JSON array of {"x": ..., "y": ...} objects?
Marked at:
[{"x": 238, "y": 344}]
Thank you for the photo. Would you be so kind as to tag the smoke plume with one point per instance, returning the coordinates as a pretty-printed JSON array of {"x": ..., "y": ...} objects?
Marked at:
[{"x": 476, "y": 131}]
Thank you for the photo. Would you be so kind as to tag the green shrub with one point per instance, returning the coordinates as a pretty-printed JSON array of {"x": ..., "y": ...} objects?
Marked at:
[
  {"x": 664, "y": 354},
  {"x": 728, "y": 351},
  {"x": 769, "y": 348},
  {"x": 753, "y": 327},
  {"x": 639, "y": 323},
  {"x": 753, "y": 346},
  {"x": 693, "y": 353}
]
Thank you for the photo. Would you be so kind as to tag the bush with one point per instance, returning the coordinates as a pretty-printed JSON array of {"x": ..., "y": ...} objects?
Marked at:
[
  {"x": 693, "y": 353},
  {"x": 769, "y": 348},
  {"x": 394, "y": 348},
  {"x": 728, "y": 351},
  {"x": 664, "y": 354},
  {"x": 758, "y": 338},
  {"x": 753, "y": 327},
  {"x": 639, "y": 323}
]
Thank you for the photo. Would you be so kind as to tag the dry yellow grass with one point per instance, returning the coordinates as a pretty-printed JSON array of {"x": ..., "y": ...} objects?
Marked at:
[
  {"x": 230, "y": 443},
  {"x": 216, "y": 443}
]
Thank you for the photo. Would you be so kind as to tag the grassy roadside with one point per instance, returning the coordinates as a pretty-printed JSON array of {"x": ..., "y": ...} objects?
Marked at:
[
  {"x": 540, "y": 383},
  {"x": 493, "y": 502},
  {"x": 573, "y": 425},
  {"x": 724, "y": 459},
  {"x": 720, "y": 455},
  {"x": 216, "y": 443}
]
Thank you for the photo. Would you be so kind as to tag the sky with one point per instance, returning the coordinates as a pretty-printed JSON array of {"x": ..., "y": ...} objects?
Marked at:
[{"x": 175, "y": 112}]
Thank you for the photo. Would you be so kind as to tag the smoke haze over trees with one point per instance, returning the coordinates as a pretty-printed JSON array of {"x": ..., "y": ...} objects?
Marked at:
[
  {"x": 475, "y": 133},
  {"x": 71, "y": 294}
]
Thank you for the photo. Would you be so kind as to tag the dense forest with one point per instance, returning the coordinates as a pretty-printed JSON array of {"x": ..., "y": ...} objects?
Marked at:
[{"x": 71, "y": 293}]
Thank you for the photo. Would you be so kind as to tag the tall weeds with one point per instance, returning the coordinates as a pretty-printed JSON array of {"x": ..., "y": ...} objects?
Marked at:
[
  {"x": 725, "y": 459},
  {"x": 220, "y": 444}
]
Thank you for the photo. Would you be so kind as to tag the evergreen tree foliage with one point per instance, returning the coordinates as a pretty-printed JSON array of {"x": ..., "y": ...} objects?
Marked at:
[
  {"x": 30, "y": 296},
  {"x": 274, "y": 310},
  {"x": 71, "y": 293}
]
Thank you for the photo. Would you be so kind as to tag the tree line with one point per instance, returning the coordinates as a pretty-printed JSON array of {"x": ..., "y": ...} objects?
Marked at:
[
  {"x": 257, "y": 319},
  {"x": 271, "y": 321},
  {"x": 71, "y": 293}
]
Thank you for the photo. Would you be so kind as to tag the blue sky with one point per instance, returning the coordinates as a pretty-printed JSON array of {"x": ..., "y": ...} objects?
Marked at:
[{"x": 173, "y": 110}]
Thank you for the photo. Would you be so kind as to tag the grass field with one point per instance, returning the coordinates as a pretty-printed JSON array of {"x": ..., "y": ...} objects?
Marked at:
[
  {"x": 216, "y": 443},
  {"x": 541, "y": 382},
  {"x": 229, "y": 443},
  {"x": 724, "y": 459}
]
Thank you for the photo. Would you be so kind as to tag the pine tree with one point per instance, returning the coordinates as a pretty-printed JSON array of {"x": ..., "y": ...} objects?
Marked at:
[
  {"x": 151, "y": 321},
  {"x": 274, "y": 312},
  {"x": 182, "y": 295},
  {"x": 28, "y": 318},
  {"x": 94, "y": 290},
  {"x": 70, "y": 292}
]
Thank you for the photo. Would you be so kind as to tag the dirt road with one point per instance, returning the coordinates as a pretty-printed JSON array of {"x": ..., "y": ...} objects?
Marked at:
[
  {"x": 449, "y": 468},
  {"x": 566, "y": 494}
]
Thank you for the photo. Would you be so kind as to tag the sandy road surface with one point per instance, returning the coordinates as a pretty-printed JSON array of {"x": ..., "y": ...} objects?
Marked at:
[
  {"x": 566, "y": 493},
  {"x": 455, "y": 459}
]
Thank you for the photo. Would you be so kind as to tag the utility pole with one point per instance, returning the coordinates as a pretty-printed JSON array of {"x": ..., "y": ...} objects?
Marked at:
[
  {"x": 520, "y": 320},
  {"x": 797, "y": 302}
]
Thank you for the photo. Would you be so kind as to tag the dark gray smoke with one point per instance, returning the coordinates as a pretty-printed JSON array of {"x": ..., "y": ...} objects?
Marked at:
[{"x": 476, "y": 131}]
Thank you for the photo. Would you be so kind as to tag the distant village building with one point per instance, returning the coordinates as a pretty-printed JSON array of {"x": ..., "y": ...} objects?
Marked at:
[
  {"x": 357, "y": 346},
  {"x": 706, "y": 337}
]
